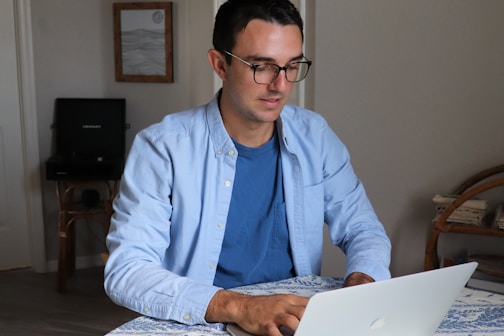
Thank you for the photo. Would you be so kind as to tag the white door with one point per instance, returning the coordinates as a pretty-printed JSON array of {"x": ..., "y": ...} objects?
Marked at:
[{"x": 14, "y": 233}]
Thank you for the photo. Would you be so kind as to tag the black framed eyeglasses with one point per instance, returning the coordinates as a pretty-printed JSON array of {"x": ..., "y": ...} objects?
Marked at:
[{"x": 267, "y": 73}]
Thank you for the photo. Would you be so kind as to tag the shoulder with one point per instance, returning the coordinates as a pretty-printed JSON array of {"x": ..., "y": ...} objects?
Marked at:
[
  {"x": 306, "y": 130},
  {"x": 298, "y": 116},
  {"x": 298, "y": 119},
  {"x": 176, "y": 125}
]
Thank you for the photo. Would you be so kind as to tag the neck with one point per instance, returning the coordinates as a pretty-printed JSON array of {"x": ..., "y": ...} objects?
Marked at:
[
  {"x": 246, "y": 131},
  {"x": 249, "y": 135}
]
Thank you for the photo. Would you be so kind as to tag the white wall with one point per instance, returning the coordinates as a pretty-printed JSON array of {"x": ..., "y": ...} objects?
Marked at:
[
  {"x": 415, "y": 90},
  {"x": 413, "y": 87},
  {"x": 74, "y": 57}
]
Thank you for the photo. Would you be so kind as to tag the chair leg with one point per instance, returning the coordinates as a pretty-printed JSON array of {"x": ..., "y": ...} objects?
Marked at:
[
  {"x": 70, "y": 248},
  {"x": 66, "y": 258},
  {"x": 62, "y": 262}
]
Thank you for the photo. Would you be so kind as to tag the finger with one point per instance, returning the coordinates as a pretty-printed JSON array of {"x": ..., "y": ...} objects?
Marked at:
[
  {"x": 286, "y": 331},
  {"x": 297, "y": 310},
  {"x": 290, "y": 322},
  {"x": 273, "y": 330}
]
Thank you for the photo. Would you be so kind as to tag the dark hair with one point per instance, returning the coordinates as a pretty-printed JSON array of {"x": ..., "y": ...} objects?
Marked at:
[{"x": 234, "y": 15}]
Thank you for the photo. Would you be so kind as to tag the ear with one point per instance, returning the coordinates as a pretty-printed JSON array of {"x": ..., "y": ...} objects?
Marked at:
[{"x": 217, "y": 62}]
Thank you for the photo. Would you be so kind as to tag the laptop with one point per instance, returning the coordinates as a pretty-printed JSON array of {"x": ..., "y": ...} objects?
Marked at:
[{"x": 413, "y": 305}]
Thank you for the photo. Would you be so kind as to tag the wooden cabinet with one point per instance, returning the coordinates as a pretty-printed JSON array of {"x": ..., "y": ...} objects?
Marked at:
[{"x": 474, "y": 185}]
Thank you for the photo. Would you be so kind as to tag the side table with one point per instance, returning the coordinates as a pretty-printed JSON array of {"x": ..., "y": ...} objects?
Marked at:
[{"x": 80, "y": 199}]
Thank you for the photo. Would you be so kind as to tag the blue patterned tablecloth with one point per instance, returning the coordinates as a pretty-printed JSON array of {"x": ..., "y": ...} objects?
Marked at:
[{"x": 474, "y": 313}]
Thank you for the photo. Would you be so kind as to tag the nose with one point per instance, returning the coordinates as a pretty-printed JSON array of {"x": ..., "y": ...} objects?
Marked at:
[{"x": 280, "y": 81}]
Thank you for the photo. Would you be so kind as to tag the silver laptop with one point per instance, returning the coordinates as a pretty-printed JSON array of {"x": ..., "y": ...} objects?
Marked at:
[{"x": 412, "y": 305}]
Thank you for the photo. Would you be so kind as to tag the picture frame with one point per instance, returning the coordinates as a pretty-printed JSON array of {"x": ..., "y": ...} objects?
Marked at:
[{"x": 143, "y": 49}]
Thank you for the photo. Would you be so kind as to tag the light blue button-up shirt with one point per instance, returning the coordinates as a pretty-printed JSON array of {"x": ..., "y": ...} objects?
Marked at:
[{"x": 166, "y": 234}]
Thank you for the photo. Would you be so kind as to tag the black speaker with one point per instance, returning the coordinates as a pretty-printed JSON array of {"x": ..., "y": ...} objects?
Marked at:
[
  {"x": 90, "y": 136},
  {"x": 90, "y": 127}
]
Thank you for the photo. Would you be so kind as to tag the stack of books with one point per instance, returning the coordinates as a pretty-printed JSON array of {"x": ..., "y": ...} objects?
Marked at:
[
  {"x": 498, "y": 222},
  {"x": 489, "y": 275},
  {"x": 471, "y": 212}
]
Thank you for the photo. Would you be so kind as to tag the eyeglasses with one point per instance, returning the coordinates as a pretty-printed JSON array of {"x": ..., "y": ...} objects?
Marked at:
[{"x": 267, "y": 73}]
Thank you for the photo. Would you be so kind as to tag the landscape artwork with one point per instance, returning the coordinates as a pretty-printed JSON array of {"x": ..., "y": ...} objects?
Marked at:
[
  {"x": 143, "y": 49},
  {"x": 143, "y": 42}
]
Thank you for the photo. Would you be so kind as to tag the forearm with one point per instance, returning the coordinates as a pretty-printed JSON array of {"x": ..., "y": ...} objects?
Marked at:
[
  {"x": 152, "y": 291},
  {"x": 369, "y": 253},
  {"x": 224, "y": 307}
]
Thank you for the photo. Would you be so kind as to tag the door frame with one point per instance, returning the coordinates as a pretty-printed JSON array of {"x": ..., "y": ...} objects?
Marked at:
[{"x": 29, "y": 128}]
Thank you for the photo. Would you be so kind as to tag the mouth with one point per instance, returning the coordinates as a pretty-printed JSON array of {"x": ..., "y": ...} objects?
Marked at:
[{"x": 272, "y": 102}]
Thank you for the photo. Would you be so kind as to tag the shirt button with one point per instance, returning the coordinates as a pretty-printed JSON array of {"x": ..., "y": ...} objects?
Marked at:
[
  {"x": 231, "y": 152},
  {"x": 219, "y": 152},
  {"x": 187, "y": 317},
  {"x": 146, "y": 309},
  {"x": 211, "y": 266},
  {"x": 220, "y": 225},
  {"x": 227, "y": 183}
]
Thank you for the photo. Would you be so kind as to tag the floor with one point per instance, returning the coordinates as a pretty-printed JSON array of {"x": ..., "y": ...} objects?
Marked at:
[{"x": 30, "y": 305}]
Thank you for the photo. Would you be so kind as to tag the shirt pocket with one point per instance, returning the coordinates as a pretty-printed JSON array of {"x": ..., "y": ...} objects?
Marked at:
[{"x": 314, "y": 203}]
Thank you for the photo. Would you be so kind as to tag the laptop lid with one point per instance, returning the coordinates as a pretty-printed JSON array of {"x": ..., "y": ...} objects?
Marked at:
[{"x": 412, "y": 305}]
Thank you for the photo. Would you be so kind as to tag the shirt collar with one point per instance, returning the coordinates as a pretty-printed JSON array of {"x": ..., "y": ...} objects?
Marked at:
[{"x": 220, "y": 138}]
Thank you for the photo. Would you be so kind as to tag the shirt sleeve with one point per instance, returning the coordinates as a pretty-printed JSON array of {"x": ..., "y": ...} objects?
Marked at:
[
  {"x": 139, "y": 236},
  {"x": 352, "y": 221}
]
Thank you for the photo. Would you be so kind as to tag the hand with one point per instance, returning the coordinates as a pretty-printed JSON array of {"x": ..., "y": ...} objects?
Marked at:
[
  {"x": 260, "y": 315},
  {"x": 357, "y": 278}
]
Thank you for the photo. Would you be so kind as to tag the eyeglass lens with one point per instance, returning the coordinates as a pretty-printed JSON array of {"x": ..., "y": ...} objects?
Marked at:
[{"x": 267, "y": 73}]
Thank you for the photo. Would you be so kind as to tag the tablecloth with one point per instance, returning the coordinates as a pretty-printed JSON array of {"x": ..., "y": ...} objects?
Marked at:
[{"x": 474, "y": 313}]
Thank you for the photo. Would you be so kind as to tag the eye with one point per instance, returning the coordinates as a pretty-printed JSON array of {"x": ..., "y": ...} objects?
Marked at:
[
  {"x": 293, "y": 66},
  {"x": 265, "y": 68}
]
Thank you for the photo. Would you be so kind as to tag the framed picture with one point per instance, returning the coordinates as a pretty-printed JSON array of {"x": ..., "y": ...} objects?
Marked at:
[{"x": 143, "y": 42}]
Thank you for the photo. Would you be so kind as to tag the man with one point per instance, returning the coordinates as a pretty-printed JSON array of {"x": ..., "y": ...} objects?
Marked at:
[{"x": 237, "y": 191}]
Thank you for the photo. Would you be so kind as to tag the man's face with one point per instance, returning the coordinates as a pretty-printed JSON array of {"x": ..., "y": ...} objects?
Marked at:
[{"x": 260, "y": 42}]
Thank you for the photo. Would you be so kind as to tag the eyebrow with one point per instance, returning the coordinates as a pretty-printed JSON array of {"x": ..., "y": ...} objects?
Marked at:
[{"x": 252, "y": 59}]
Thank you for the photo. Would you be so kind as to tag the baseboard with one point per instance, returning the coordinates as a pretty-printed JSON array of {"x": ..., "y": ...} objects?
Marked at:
[{"x": 80, "y": 262}]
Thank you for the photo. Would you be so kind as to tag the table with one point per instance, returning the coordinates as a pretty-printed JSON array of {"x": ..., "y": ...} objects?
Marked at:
[{"x": 474, "y": 313}]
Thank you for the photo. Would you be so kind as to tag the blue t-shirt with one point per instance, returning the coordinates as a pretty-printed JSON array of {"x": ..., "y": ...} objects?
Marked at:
[{"x": 256, "y": 244}]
